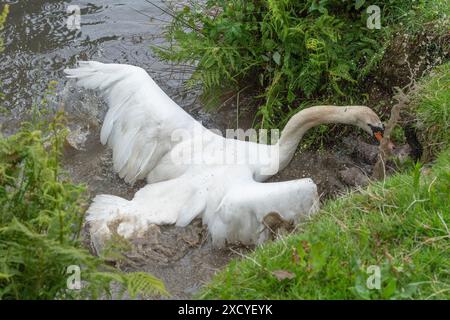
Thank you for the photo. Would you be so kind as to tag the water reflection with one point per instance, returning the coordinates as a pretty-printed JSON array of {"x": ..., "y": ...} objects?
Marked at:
[{"x": 39, "y": 45}]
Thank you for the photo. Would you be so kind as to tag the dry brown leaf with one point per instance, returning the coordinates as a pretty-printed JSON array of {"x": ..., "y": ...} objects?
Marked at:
[{"x": 283, "y": 274}]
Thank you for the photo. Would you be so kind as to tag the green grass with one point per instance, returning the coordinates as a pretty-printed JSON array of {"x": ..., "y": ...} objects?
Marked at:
[
  {"x": 400, "y": 225},
  {"x": 432, "y": 111}
]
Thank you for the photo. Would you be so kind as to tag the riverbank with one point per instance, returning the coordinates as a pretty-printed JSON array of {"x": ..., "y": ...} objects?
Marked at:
[{"x": 398, "y": 227}]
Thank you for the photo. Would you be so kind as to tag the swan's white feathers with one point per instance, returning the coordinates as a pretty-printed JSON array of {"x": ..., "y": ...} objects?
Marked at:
[
  {"x": 192, "y": 209},
  {"x": 240, "y": 218},
  {"x": 138, "y": 127},
  {"x": 140, "y": 117},
  {"x": 228, "y": 214},
  {"x": 175, "y": 201}
]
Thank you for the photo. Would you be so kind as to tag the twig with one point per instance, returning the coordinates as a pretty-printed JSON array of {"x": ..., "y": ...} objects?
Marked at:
[
  {"x": 379, "y": 170},
  {"x": 174, "y": 16}
]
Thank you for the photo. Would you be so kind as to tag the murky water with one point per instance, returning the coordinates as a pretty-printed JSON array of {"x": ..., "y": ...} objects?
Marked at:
[{"x": 39, "y": 45}]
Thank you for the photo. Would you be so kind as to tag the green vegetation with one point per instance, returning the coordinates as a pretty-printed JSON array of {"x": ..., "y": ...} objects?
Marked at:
[
  {"x": 3, "y": 15},
  {"x": 400, "y": 225},
  {"x": 432, "y": 111},
  {"x": 290, "y": 50},
  {"x": 41, "y": 218}
]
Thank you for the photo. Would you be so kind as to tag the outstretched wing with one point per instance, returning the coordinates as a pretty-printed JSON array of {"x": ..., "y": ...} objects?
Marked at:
[
  {"x": 241, "y": 212},
  {"x": 176, "y": 201},
  {"x": 228, "y": 200},
  {"x": 140, "y": 118}
]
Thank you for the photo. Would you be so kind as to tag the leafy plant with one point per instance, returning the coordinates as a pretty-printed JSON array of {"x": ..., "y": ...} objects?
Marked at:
[
  {"x": 290, "y": 50},
  {"x": 3, "y": 15},
  {"x": 41, "y": 219}
]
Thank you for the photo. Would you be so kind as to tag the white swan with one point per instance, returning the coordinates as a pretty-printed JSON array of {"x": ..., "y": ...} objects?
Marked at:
[{"x": 188, "y": 167}]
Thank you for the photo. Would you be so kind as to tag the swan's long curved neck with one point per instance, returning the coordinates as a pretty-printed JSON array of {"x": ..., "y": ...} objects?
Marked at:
[{"x": 304, "y": 120}]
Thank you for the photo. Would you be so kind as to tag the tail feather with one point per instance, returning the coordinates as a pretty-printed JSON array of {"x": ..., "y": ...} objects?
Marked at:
[
  {"x": 104, "y": 205},
  {"x": 174, "y": 201},
  {"x": 103, "y": 213}
]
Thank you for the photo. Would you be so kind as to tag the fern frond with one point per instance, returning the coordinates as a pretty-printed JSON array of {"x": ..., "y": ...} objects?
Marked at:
[{"x": 141, "y": 283}]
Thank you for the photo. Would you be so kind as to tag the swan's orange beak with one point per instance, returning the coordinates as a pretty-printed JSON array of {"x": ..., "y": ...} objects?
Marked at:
[
  {"x": 377, "y": 132},
  {"x": 378, "y": 135}
]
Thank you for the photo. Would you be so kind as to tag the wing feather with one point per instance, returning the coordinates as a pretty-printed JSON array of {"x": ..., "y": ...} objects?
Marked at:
[{"x": 140, "y": 116}]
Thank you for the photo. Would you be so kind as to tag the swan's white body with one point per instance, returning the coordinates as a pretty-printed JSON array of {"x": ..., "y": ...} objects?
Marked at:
[{"x": 229, "y": 196}]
